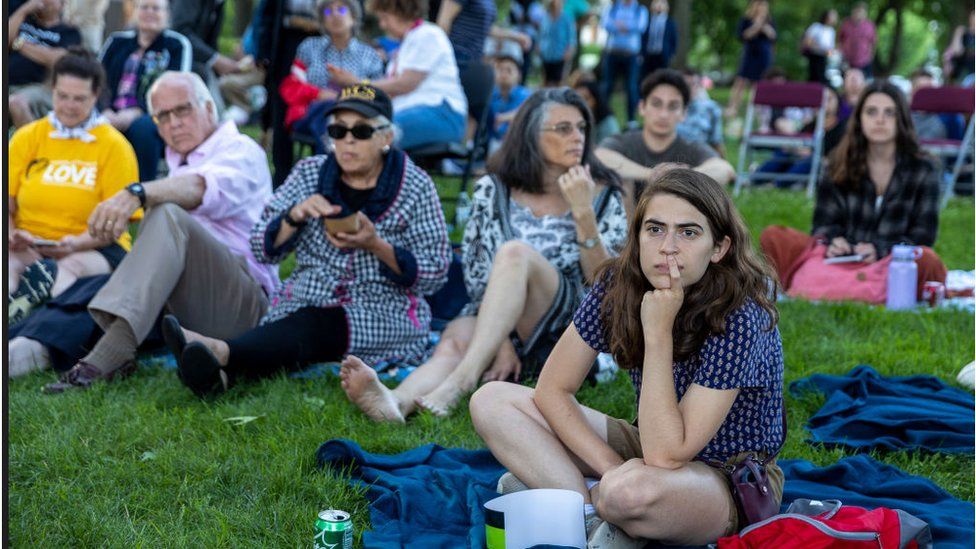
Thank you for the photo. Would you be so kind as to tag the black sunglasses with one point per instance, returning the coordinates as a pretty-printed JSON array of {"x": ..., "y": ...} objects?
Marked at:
[{"x": 359, "y": 131}]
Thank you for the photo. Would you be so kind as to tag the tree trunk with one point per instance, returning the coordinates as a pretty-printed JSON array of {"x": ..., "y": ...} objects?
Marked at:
[
  {"x": 681, "y": 12},
  {"x": 895, "y": 50}
]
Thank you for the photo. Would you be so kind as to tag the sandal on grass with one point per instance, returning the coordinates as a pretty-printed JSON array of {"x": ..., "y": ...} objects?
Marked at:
[{"x": 200, "y": 371}]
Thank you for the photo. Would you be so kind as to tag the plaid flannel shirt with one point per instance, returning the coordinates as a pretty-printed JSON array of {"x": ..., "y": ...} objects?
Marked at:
[
  {"x": 909, "y": 212},
  {"x": 388, "y": 318}
]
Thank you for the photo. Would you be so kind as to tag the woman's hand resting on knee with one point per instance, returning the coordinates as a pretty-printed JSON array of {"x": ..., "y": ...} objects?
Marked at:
[{"x": 506, "y": 362}]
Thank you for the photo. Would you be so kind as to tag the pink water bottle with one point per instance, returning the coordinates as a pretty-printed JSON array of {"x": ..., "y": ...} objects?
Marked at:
[{"x": 903, "y": 277}]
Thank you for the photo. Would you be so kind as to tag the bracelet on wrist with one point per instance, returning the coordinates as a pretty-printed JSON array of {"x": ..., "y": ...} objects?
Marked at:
[{"x": 291, "y": 221}]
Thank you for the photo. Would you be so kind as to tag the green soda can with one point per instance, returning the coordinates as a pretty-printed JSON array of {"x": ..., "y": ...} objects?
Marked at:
[{"x": 333, "y": 530}]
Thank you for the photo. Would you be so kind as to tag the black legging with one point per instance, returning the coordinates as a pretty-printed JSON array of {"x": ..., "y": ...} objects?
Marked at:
[{"x": 307, "y": 336}]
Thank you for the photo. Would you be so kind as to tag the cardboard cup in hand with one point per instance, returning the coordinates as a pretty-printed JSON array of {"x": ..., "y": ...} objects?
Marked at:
[{"x": 348, "y": 224}]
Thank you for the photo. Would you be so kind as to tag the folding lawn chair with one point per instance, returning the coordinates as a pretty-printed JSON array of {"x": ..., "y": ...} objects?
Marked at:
[
  {"x": 948, "y": 100},
  {"x": 809, "y": 95}
]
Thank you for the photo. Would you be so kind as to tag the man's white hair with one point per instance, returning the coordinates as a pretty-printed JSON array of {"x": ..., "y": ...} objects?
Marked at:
[{"x": 200, "y": 91}]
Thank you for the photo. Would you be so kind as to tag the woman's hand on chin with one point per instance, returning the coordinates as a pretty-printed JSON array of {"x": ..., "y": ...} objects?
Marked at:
[
  {"x": 660, "y": 307},
  {"x": 577, "y": 187}
]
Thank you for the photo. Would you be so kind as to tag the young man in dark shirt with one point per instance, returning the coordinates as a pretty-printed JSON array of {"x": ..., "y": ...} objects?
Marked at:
[
  {"x": 36, "y": 39},
  {"x": 640, "y": 154}
]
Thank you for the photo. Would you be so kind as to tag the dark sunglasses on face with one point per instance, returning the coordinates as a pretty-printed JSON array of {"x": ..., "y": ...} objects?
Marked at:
[
  {"x": 359, "y": 131},
  {"x": 341, "y": 10}
]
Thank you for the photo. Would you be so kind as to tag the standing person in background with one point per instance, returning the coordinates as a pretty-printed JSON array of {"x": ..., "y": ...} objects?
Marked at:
[
  {"x": 757, "y": 33},
  {"x": 526, "y": 16},
  {"x": 858, "y": 38},
  {"x": 959, "y": 57},
  {"x": 703, "y": 121},
  {"x": 660, "y": 40},
  {"x": 244, "y": 91},
  {"x": 36, "y": 38},
  {"x": 625, "y": 22},
  {"x": 818, "y": 42},
  {"x": 557, "y": 43},
  {"x": 88, "y": 16},
  {"x": 133, "y": 60},
  {"x": 579, "y": 10},
  {"x": 284, "y": 25},
  {"x": 467, "y": 24}
]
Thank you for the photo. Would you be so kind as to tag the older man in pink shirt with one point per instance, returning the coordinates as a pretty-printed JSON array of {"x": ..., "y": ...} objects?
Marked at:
[
  {"x": 858, "y": 38},
  {"x": 192, "y": 256}
]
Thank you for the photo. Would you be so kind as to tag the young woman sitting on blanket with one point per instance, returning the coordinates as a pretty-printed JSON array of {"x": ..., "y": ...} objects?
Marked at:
[
  {"x": 357, "y": 287},
  {"x": 540, "y": 225},
  {"x": 879, "y": 189},
  {"x": 687, "y": 309}
]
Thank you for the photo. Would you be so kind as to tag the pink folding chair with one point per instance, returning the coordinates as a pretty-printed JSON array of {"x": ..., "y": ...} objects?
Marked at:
[
  {"x": 949, "y": 99},
  {"x": 808, "y": 95}
]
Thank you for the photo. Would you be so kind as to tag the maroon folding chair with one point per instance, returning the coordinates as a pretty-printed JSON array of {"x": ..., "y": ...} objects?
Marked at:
[
  {"x": 950, "y": 99},
  {"x": 809, "y": 95}
]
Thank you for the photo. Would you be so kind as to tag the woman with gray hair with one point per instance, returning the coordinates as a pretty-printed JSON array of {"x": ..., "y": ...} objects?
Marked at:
[
  {"x": 541, "y": 224},
  {"x": 308, "y": 90},
  {"x": 369, "y": 240}
]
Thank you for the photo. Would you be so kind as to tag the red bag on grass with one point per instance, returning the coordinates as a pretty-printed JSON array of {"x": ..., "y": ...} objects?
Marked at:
[
  {"x": 817, "y": 280},
  {"x": 811, "y": 524}
]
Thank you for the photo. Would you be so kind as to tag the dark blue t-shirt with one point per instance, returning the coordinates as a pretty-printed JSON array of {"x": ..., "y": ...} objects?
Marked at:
[
  {"x": 470, "y": 29},
  {"x": 20, "y": 69},
  {"x": 746, "y": 357}
]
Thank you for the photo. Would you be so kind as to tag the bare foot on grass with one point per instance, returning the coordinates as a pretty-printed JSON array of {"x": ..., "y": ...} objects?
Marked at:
[
  {"x": 364, "y": 389},
  {"x": 441, "y": 400}
]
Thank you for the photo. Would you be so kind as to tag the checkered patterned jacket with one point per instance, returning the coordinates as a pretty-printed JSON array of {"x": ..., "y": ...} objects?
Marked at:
[
  {"x": 909, "y": 212},
  {"x": 388, "y": 317}
]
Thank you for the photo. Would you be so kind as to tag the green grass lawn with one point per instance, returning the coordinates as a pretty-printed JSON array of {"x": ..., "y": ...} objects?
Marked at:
[{"x": 143, "y": 463}]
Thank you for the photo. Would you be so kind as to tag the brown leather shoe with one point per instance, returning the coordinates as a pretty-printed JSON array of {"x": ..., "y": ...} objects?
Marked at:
[{"x": 83, "y": 374}]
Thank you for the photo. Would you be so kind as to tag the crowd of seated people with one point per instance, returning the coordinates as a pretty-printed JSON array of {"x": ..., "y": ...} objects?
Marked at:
[{"x": 581, "y": 239}]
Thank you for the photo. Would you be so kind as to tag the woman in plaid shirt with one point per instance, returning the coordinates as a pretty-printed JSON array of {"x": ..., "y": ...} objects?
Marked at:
[
  {"x": 355, "y": 292},
  {"x": 879, "y": 189}
]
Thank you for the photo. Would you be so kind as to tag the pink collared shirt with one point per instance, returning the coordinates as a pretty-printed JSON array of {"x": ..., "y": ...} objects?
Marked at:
[{"x": 235, "y": 171}]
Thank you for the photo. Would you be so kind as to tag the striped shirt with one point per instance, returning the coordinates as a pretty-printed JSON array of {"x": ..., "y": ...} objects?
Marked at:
[{"x": 470, "y": 29}]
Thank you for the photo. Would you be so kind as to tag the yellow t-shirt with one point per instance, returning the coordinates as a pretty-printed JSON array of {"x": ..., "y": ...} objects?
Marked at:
[{"x": 58, "y": 182}]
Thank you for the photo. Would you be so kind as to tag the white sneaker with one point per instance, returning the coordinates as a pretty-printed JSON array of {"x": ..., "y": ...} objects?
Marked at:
[
  {"x": 25, "y": 356},
  {"x": 608, "y": 536}
]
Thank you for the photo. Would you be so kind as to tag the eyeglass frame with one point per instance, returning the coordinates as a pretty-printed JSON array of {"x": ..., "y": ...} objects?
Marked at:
[
  {"x": 341, "y": 10},
  {"x": 165, "y": 117},
  {"x": 565, "y": 129}
]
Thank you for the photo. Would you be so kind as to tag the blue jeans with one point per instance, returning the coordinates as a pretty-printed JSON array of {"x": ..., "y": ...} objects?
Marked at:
[
  {"x": 425, "y": 125},
  {"x": 148, "y": 145},
  {"x": 626, "y": 65}
]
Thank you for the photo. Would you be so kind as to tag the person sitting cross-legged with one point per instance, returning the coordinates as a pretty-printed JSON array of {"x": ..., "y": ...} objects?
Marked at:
[
  {"x": 356, "y": 288},
  {"x": 687, "y": 310},
  {"x": 191, "y": 255},
  {"x": 540, "y": 225}
]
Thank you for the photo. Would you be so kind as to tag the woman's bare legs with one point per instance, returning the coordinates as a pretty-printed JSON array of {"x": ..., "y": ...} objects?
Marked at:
[
  {"x": 739, "y": 86},
  {"x": 520, "y": 290},
  {"x": 505, "y": 416},
  {"x": 364, "y": 389},
  {"x": 78, "y": 265}
]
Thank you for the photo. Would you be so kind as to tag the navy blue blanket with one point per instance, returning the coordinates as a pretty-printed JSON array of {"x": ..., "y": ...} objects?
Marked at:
[
  {"x": 427, "y": 497},
  {"x": 865, "y": 410},
  {"x": 433, "y": 496},
  {"x": 862, "y": 481}
]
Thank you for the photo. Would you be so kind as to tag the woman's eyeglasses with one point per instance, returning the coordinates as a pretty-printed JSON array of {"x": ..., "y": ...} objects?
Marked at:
[
  {"x": 341, "y": 10},
  {"x": 359, "y": 131},
  {"x": 566, "y": 129}
]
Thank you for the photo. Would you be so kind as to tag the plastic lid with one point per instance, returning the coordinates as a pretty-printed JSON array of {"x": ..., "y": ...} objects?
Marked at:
[{"x": 903, "y": 252}]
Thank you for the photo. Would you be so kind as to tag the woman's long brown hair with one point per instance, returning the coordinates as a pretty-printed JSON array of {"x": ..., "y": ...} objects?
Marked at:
[
  {"x": 848, "y": 164},
  {"x": 739, "y": 276}
]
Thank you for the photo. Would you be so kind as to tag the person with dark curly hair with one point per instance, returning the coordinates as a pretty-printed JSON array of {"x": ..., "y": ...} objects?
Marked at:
[{"x": 687, "y": 310}]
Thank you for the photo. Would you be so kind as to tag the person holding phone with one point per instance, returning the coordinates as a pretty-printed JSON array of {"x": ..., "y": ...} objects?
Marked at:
[
  {"x": 60, "y": 168},
  {"x": 687, "y": 310},
  {"x": 370, "y": 242}
]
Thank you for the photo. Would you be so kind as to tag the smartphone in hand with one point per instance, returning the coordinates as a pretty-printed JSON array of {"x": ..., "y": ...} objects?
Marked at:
[{"x": 44, "y": 243}]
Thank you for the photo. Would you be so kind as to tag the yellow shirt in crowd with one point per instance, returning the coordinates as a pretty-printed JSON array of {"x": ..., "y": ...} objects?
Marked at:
[{"x": 58, "y": 182}]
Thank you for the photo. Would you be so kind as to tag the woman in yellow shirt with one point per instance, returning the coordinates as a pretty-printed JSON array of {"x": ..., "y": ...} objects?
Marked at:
[{"x": 60, "y": 168}]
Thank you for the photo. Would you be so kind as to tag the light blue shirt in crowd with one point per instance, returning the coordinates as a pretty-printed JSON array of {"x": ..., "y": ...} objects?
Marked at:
[
  {"x": 555, "y": 36},
  {"x": 634, "y": 18}
]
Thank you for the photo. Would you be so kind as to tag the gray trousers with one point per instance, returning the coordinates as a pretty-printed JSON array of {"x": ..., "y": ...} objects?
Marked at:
[{"x": 176, "y": 263}]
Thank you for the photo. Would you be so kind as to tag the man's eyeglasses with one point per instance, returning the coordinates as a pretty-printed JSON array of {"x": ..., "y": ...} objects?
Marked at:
[
  {"x": 180, "y": 111},
  {"x": 359, "y": 131},
  {"x": 566, "y": 129},
  {"x": 341, "y": 10}
]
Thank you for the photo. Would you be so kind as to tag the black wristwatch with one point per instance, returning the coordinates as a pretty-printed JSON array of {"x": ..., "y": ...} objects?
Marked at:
[
  {"x": 296, "y": 224},
  {"x": 139, "y": 192}
]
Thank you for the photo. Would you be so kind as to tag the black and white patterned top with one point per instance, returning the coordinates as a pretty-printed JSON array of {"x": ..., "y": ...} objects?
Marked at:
[
  {"x": 486, "y": 231},
  {"x": 746, "y": 357},
  {"x": 388, "y": 317},
  {"x": 318, "y": 51}
]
